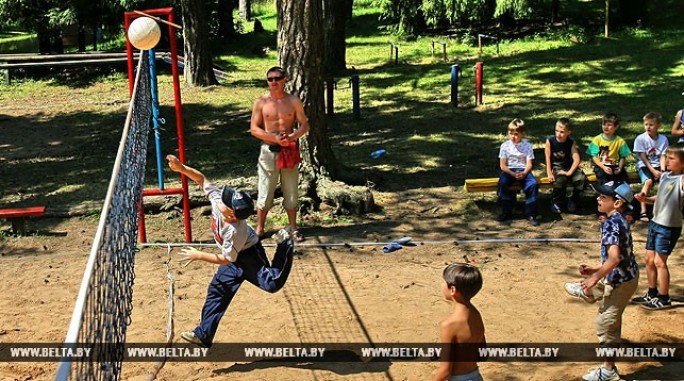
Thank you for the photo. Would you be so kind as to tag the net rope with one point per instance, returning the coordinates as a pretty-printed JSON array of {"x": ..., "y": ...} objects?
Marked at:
[{"x": 105, "y": 301}]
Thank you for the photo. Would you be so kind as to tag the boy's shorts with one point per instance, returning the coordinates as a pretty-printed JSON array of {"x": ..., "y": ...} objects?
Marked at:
[
  {"x": 645, "y": 174},
  {"x": 662, "y": 239},
  {"x": 472, "y": 376}
]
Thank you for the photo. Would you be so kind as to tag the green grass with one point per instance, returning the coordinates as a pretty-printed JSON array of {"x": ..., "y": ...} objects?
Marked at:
[
  {"x": 65, "y": 129},
  {"x": 18, "y": 42}
]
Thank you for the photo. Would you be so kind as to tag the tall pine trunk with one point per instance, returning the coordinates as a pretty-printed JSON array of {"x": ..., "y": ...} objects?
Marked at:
[
  {"x": 334, "y": 14},
  {"x": 198, "y": 69},
  {"x": 300, "y": 48},
  {"x": 245, "y": 9},
  {"x": 300, "y": 52},
  {"x": 226, "y": 23}
]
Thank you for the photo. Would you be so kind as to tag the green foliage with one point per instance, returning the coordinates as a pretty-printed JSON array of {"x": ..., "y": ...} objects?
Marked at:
[
  {"x": 440, "y": 13},
  {"x": 405, "y": 17},
  {"x": 516, "y": 8},
  {"x": 18, "y": 43}
]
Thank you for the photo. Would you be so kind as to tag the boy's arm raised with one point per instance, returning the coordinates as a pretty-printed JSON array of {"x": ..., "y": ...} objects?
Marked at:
[{"x": 190, "y": 172}]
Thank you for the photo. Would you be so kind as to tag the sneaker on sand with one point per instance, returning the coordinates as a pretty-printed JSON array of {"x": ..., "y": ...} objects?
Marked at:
[
  {"x": 555, "y": 208},
  {"x": 657, "y": 303},
  {"x": 533, "y": 220},
  {"x": 642, "y": 299},
  {"x": 575, "y": 289},
  {"x": 282, "y": 235},
  {"x": 190, "y": 337},
  {"x": 572, "y": 206},
  {"x": 602, "y": 374}
]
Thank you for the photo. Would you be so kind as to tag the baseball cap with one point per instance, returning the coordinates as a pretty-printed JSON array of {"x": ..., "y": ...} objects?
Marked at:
[
  {"x": 239, "y": 201},
  {"x": 619, "y": 190}
]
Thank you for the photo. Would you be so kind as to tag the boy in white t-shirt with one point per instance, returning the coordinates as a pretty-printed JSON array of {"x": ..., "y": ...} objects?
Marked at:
[
  {"x": 516, "y": 159},
  {"x": 242, "y": 257},
  {"x": 650, "y": 148}
]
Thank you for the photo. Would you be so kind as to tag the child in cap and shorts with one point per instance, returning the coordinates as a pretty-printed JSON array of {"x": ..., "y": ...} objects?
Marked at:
[
  {"x": 663, "y": 230},
  {"x": 615, "y": 280}
]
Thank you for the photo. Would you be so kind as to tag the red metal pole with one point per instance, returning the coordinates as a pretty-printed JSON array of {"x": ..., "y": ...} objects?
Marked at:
[
  {"x": 479, "y": 72},
  {"x": 142, "y": 232},
  {"x": 129, "y": 54},
  {"x": 179, "y": 121},
  {"x": 179, "y": 128},
  {"x": 162, "y": 192}
]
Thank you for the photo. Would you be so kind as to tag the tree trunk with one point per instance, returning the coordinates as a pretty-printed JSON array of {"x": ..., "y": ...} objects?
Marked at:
[
  {"x": 43, "y": 40},
  {"x": 245, "y": 9},
  {"x": 300, "y": 48},
  {"x": 81, "y": 36},
  {"x": 198, "y": 69},
  {"x": 335, "y": 30},
  {"x": 349, "y": 8},
  {"x": 226, "y": 23},
  {"x": 555, "y": 10},
  {"x": 56, "y": 41},
  {"x": 300, "y": 51},
  {"x": 607, "y": 19}
]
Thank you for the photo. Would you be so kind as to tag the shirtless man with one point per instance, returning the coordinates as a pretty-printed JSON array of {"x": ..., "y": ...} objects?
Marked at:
[{"x": 273, "y": 119}]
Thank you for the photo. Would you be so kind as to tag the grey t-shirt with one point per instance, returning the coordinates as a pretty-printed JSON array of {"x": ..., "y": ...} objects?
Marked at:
[
  {"x": 231, "y": 238},
  {"x": 667, "y": 210}
]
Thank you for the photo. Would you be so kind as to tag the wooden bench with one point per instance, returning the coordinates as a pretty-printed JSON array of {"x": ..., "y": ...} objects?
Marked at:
[
  {"x": 492, "y": 184},
  {"x": 18, "y": 216}
]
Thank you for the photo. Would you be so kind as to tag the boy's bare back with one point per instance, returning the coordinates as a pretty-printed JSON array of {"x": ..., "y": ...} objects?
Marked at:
[{"x": 463, "y": 326}]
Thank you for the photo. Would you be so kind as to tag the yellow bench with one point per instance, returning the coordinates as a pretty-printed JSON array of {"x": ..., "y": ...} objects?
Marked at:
[{"x": 492, "y": 184}]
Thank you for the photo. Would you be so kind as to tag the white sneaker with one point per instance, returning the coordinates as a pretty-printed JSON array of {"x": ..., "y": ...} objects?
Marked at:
[
  {"x": 575, "y": 289},
  {"x": 282, "y": 235},
  {"x": 602, "y": 374},
  {"x": 190, "y": 337}
]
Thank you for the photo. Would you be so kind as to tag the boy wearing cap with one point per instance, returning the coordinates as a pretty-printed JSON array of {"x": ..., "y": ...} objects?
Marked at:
[
  {"x": 616, "y": 279},
  {"x": 242, "y": 255}
]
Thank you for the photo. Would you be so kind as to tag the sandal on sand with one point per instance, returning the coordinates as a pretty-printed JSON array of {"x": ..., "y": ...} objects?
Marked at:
[
  {"x": 297, "y": 236},
  {"x": 643, "y": 217}
]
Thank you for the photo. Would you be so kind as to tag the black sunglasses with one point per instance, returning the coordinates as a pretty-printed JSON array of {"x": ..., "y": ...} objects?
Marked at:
[{"x": 274, "y": 79}]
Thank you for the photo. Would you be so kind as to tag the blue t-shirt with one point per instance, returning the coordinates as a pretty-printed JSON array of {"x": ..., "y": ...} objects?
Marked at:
[{"x": 615, "y": 231}]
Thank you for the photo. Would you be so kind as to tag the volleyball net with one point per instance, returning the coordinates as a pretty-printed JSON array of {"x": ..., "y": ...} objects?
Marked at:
[{"x": 105, "y": 300}]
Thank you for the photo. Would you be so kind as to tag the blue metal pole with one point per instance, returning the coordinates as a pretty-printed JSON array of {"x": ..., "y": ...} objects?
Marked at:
[
  {"x": 356, "y": 112},
  {"x": 155, "y": 117},
  {"x": 454, "y": 85}
]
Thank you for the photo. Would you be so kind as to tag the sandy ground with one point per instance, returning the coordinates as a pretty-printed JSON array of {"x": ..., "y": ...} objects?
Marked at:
[{"x": 341, "y": 295}]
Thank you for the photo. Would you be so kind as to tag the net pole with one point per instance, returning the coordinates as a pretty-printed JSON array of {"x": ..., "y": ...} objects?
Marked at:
[
  {"x": 179, "y": 126},
  {"x": 64, "y": 367},
  {"x": 155, "y": 118}
]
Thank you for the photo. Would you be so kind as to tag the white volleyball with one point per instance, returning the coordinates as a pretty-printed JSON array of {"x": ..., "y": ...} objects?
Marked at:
[{"x": 144, "y": 33}]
